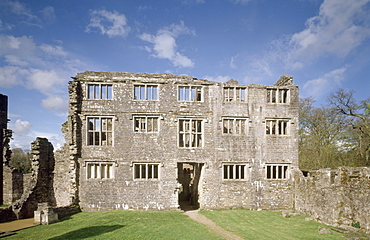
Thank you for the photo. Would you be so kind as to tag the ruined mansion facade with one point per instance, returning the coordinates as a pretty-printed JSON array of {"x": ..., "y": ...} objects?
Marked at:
[{"x": 161, "y": 141}]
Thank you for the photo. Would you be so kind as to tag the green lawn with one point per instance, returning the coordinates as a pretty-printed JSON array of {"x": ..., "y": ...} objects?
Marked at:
[
  {"x": 175, "y": 225},
  {"x": 120, "y": 224},
  {"x": 268, "y": 225}
]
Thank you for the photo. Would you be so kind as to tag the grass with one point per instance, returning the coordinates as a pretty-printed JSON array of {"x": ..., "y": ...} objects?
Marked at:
[
  {"x": 120, "y": 224},
  {"x": 268, "y": 225}
]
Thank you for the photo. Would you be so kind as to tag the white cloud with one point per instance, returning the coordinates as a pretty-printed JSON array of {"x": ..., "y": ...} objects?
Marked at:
[
  {"x": 20, "y": 46},
  {"x": 324, "y": 84},
  {"x": 240, "y": 1},
  {"x": 232, "y": 62},
  {"x": 44, "y": 81},
  {"x": 14, "y": 60},
  {"x": 23, "y": 135},
  {"x": 53, "y": 50},
  {"x": 48, "y": 13},
  {"x": 56, "y": 104},
  {"x": 11, "y": 76},
  {"x": 21, "y": 127},
  {"x": 112, "y": 23},
  {"x": 165, "y": 46},
  {"x": 44, "y": 67},
  {"x": 337, "y": 29},
  {"x": 219, "y": 78},
  {"x": 18, "y": 8}
]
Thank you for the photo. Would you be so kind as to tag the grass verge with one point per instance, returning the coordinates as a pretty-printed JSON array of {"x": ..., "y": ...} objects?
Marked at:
[
  {"x": 120, "y": 224},
  {"x": 268, "y": 225}
]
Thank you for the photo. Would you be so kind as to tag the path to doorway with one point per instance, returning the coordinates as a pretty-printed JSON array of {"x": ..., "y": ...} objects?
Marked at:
[{"x": 194, "y": 215}]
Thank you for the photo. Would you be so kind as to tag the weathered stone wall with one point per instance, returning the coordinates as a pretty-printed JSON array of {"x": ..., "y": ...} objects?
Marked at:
[
  {"x": 255, "y": 149},
  {"x": 335, "y": 197},
  {"x": 13, "y": 185},
  {"x": 62, "y": 177},
  {"x": 4, "y": 140},
  {"x": 40, "y": 187}
]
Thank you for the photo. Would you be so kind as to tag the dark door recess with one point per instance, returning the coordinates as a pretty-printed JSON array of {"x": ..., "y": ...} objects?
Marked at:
[{"x": 188, "y": 176}]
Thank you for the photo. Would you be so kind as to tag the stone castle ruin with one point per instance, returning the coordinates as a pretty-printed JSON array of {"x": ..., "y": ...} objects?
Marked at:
[{"x": 167, "y": 142}]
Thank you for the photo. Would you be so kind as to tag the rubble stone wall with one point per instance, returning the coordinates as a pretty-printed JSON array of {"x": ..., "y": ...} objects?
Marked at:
[
  {"x": 40, "y": 187},
  {"x": 13, "y": 185},
  {"x": 62, "y": 177},
  {"x": 335, "y": 197}
]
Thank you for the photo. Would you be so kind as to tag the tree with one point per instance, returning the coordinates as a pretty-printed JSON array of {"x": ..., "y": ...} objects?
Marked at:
[
  {"x": 20, "y": 160},
  {"x": 358, "y": 118},
  {"x": 321, "y": 132}
]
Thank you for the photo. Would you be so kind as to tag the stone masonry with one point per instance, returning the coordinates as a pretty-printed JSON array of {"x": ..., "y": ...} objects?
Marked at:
[
  {"x": 39, "y": 189},
  {"x": 161, "y": 141},
  {"x": 335, "y": 197},
  {"x": 4, "y": 139}
]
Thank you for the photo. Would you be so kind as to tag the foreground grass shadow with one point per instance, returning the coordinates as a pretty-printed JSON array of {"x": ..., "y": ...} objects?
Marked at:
[{"x": 87, "y": 232}]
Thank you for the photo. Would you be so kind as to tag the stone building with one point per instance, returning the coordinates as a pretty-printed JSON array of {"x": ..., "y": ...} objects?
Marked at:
[
  {"x": 162, "y": 141},
  {"x": 3, "y": 138}
]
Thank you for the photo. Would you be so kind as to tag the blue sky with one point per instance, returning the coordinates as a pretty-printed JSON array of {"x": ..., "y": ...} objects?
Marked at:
[{"x": 324, "y": 45}]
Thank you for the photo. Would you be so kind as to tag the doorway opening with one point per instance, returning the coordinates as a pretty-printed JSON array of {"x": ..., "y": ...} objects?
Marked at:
[{"x": 188, "y": 176}]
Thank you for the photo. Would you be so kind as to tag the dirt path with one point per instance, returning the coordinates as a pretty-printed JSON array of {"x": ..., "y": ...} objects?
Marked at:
[
  {"x": 16, "y": 225},
  {"x": 194, "y": 215}
]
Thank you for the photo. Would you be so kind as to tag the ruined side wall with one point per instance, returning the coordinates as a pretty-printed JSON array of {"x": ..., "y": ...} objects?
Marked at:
[
  {"x": 64, "y": 194},
  {"x": 3, "y": 139},
  {"x": 13, "y": 185},
  {"x": 335, "y": 197},
  {"x": 40, "y": 186}
]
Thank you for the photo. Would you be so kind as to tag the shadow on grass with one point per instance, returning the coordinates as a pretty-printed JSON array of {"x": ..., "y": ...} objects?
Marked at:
[{"x": 87, "y": 232}]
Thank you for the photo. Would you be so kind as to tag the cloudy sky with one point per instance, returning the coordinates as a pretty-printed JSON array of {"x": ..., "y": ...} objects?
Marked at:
[{"x": 324, "y": 45}]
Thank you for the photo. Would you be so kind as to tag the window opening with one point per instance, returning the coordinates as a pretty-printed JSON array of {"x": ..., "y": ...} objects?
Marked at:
[
  {"x": 234, "y": 171},
  {"x": 99, "y": 91},
  {"x": 277, "y": 171},
  {"x": 277, "y": 127},
  {"x": 146, "y": 171},
  {"x": 100, "y": 170},
  {"x": 235, "y": 126},
  {"x": 234, "y": 94},
  {"x": 275, "y": 95},
  {"x": 145, "y": 92},
  {"x": 190, "y": 93},
  {"x": 146, "y": 124},
  {"x": 190, "y": 133},
  {"x": 100, "y": 131}
]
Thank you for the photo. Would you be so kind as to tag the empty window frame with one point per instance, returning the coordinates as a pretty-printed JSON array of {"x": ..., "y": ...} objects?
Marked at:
[
  {"x": 99, "y": 91},
  {"x": 190, "y": 133},
  {"x": 190, "y": 93},
  {"x": 234, "y": 171},
  {"x": 147, "y": 124},
  {"x": 100, "y": 131},
  {"x": 277, "y": 171},
  {"x": 100, "y": 170},
  {"x": 146, "y": 92},
  {"x": 234, "y": 94},
  {"x": 275, "y": 95},
  {"x": 146, "y": 171},
  {"x": 277, "y": 127},
  {"x": 236, "y": 126}
]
